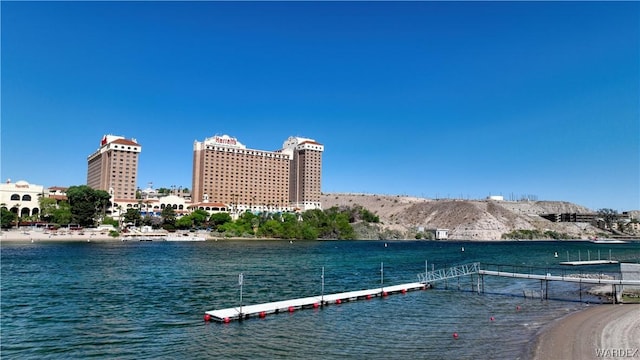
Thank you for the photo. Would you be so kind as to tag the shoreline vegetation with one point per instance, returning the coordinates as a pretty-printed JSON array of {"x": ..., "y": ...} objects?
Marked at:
[
  {"x": 353, "y": 217},
  {"x": 535, "y": 234}
]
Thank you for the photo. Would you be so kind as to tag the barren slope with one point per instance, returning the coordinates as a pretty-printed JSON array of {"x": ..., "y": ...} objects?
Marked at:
[{"x": 465, "y": 219}]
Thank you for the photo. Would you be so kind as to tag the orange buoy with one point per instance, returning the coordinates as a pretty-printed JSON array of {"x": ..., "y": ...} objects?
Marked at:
[
  {"x": 291, "y": 309},
  {"x": 338, "y": 301},
  {"x": 207, "y": 317},
  {"x": 262, "y": 314},
  {"x": 492, "y": 318},
  {"x": 455, "y": 335},
  {"x": 404, "y": 291},
  {"x": 316, "y": 305},
  {"x": 384, "y": 293},
  {"x": 368, "y": 296},
  {"x": 227, "y": 320}
]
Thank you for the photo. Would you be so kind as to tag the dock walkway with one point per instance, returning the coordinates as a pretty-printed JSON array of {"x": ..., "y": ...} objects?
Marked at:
[
  {"x": 550, "y": 277},
  {"x": 261, "y": 310},
  {"x": 425, "y": 280},
  {"x": 589, "y": 262}
]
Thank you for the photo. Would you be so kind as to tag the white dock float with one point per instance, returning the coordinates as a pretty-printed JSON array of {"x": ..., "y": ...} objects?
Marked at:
[
  {"x": 589, "y": 262},
  {"x": 261, "y": 310}
]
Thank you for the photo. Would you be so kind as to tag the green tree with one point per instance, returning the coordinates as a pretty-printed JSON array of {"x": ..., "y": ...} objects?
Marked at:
[
  {"x": 108, "y": 220},
  {"x": 230, "y": 229},
  {"x": 102, "y": 201},
  {"x": 316, "y": 219},
  {"x": 271, "y": 228},
  {"x": 332, "y": 223},
  {"x": 308, "y": 232},
  {"x": 185, "y": 222},
  {"x": 7, "y": 218},
  {"x": 623, "y": 226},
  {"x": 342, "y": 228},
  {"x": 368, "y": 216},
  {"x": 199, "y": 217},
  {"x": 219, "y": 219},
  {"x": 255, "y": 224},
  {"x": 62, "y": 214},
  {"x": 47, "y": 208},
  {"x": 86, "y": 203},
  {"x": 132, "y": 216},
  {"x": 168, "y": 216},
  {"x": 290, "y": 227},
  {"x": 608, "y": 216},
  {"x": 245, "y": 223}
]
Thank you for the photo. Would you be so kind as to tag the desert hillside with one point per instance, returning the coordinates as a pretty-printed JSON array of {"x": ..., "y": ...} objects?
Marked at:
[{"x": 401, "y": 216}]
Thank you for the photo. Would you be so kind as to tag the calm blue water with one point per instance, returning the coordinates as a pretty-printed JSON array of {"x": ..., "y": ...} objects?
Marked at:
[{"x": 142, "y": 300}]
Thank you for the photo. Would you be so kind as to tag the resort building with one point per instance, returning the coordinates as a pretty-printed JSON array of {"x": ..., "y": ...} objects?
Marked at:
[
  {"x": 306, "y": 172},
  {"x": 21, "y": 198},
  {"x": 225, "y": 171},
  {"x": 58, "y": 193},
  {"x": 114, "y": 167}
]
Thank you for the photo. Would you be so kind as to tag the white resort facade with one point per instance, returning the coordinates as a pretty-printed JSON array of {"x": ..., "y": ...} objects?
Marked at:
[{"x": 21, "y": 198}]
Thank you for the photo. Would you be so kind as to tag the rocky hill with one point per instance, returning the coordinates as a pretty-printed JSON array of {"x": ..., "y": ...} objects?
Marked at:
[{"x": 402, "y": 216}]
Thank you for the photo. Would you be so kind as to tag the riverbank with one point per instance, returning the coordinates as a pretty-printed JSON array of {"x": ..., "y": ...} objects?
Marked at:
[
  {"x": 33, "y": 236},
  {"x": 88, "y": 236},
  {"x": 603, "y": 331}
]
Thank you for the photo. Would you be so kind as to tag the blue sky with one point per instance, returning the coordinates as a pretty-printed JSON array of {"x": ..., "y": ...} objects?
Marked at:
[{"x": 432, "y": 99}]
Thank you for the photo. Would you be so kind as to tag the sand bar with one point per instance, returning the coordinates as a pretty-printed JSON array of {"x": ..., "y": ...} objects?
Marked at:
[{"x": 602, "y": 331}]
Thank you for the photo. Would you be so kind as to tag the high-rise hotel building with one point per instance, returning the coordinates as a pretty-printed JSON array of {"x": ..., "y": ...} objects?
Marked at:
[
  {"x": 114, "y": 167},
  {"x": 226, "y": 171}
]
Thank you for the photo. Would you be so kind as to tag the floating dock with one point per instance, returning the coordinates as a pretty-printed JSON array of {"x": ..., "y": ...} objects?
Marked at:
[
  {"x": 550, "y": 277},
  {"x": 589, "y": 262},
  {"x": 262, "y": 310}
]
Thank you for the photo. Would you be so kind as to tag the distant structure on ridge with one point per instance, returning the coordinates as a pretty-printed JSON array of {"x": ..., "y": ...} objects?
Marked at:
[
  {"x": 226, "y": 171},
  {"x": 114, "y": 167}
]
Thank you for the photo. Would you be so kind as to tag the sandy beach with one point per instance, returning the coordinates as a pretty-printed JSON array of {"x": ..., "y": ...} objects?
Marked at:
[
  {"x": 41, "y": 235},
  {"x": 601, "y": 331},
  {"x": 90, "y": 235}
]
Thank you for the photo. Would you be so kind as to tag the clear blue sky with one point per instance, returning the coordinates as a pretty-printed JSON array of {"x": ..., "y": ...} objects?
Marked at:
[{"x": 433, "y": 99}]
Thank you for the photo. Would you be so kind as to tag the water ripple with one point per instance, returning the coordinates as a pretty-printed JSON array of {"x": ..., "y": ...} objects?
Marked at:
[{"x": 146, "y": 300}]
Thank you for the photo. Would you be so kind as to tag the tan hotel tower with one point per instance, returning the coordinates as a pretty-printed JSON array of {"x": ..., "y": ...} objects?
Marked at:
[
  {"x": 225, "y": 171},
  {"x": 114, "y": 167}
]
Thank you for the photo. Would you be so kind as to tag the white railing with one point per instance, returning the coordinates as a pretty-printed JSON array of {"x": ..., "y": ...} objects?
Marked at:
[{"x": 448, "y": 273}]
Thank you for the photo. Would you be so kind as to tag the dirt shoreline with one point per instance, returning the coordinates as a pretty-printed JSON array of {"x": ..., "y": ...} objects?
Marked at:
[
  {"x": 88, "y": 236},
  {"x": 33, "y": 236},
  {"x": 602, "y": 331}
]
